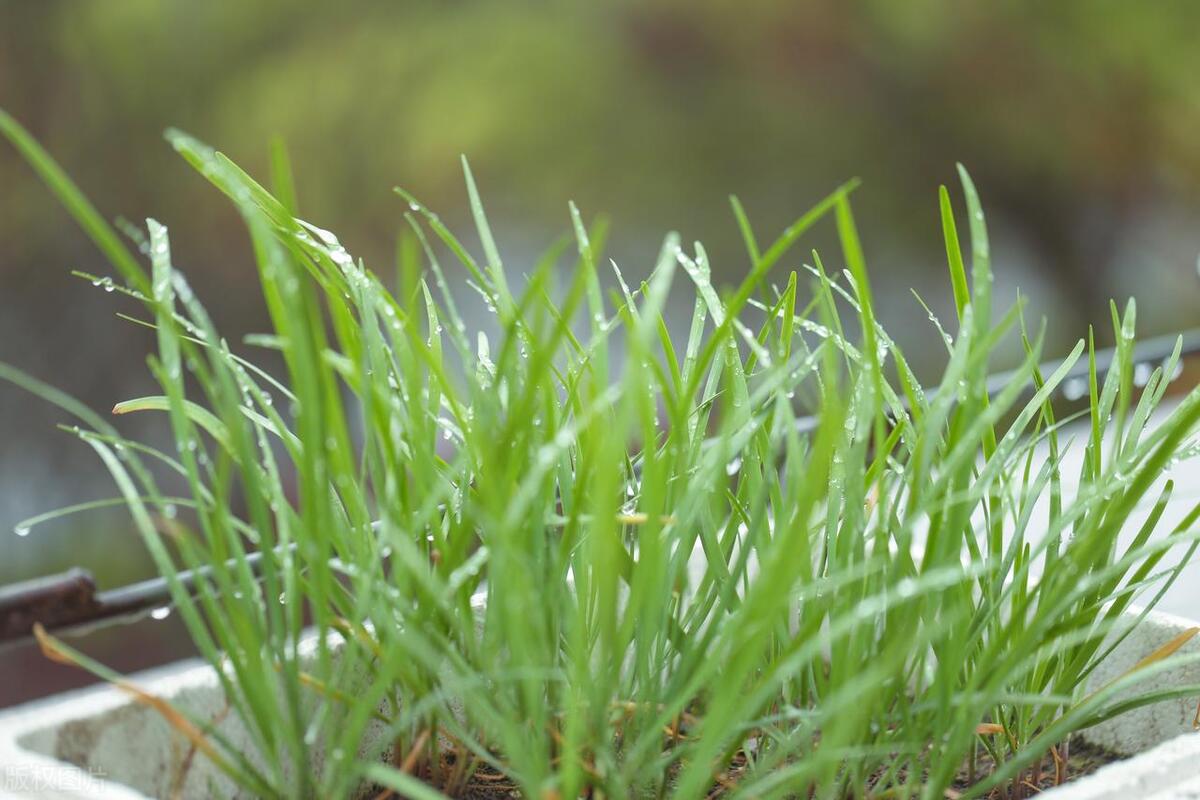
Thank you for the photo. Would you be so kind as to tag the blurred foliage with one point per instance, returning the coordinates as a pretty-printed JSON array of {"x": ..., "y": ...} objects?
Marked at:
[{"x": 1077, "y": 117}]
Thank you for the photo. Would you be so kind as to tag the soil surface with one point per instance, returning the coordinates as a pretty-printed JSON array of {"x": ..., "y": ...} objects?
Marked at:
[
  {"x": 489, "y": 784},
  {"x": 1084, "y": 759}
]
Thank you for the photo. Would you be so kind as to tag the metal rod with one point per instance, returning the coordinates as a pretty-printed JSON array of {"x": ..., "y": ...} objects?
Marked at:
[{"x": 69, "y": 602}]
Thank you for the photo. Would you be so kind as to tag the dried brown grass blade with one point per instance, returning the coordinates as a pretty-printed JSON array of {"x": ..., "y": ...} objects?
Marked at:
[
  {"x": 1166, "y": 650},
  {"x": 52, "y": 650}
]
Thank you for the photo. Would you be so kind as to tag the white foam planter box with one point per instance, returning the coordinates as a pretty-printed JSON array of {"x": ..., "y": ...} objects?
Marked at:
[{"x": 98, "y": 744}]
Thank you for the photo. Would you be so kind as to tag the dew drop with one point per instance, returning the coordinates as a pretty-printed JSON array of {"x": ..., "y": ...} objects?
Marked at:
[
  {"x": 21, "y": 530},
  {"x": 161, "y": 613},
  {"x": 169, "y": 511},
  {"x": 733, "y": 466}
]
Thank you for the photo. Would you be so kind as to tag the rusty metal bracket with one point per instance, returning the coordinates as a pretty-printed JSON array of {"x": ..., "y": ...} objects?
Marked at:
[{"x": 70, "y": 603}]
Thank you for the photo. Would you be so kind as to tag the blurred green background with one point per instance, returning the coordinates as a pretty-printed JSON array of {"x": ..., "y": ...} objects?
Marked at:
[{"x": 1079, "y": 121}]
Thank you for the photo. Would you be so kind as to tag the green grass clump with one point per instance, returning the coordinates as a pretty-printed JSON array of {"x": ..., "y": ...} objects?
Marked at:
[{"x": 592, "y": 559}]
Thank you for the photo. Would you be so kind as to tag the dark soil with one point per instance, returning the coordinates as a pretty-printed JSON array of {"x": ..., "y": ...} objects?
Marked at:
[
  {"x": 1084, "y": 759},
  {"x": 487, "y": 783}
]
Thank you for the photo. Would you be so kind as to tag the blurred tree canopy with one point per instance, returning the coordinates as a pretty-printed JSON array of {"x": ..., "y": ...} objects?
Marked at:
[{"x": 1076, "y": 118}]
